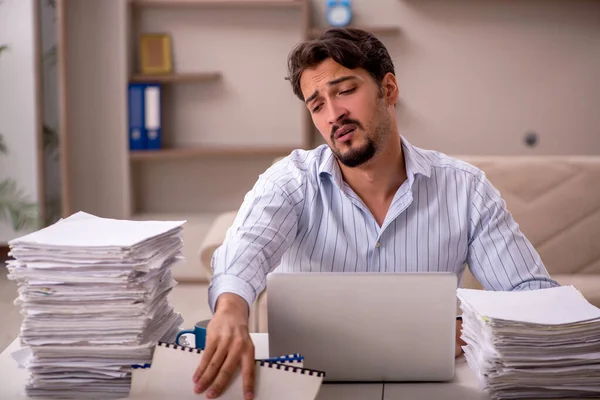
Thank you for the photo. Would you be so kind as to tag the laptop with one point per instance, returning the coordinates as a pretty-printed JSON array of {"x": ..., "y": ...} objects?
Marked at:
[{"x": 366, "y": 327}]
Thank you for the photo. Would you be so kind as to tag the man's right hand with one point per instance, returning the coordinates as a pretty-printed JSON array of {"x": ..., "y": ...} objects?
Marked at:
[{"x": 228, "y": 345}]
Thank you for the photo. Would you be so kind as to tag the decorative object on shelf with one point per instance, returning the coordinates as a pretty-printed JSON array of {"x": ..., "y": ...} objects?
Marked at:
[
  {"x": 145, "y": 130},
  {"x": 155, "y": 54},
  {"x": 338, "y": 12}
]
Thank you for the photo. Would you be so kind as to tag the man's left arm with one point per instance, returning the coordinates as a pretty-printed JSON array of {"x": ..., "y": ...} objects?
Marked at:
[{"x": 500, "y": 256}]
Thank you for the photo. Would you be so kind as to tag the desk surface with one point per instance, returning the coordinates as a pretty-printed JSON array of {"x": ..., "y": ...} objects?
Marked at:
[{"x": 464, "y": 385}]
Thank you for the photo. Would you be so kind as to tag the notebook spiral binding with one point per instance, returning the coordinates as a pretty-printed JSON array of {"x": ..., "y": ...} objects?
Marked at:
[
  {"x": 179, "y": 347},
  {"x": 286, "y": 367},
  {"x": 262, "y": 363}
]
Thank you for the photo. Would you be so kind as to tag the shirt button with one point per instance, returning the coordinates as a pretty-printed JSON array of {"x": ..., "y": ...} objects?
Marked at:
[{"x": 378, "y": 245}]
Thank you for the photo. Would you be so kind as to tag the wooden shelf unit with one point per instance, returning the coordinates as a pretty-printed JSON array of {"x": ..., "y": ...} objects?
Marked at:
[
  {"x": 222, "y": 3},
  {"x": 146, "y": 165},
  {"x": 206, "y": 151},
  {"x": 199, "y": 151},
  {"x": 188, "y": 77},
  {"x": 87, "y": 145},
  {"x": 376, "y": 30}
]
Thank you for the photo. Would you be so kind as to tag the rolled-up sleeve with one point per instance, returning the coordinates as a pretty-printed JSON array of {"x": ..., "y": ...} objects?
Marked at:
[
  {"x": 264, "y": 228},
  {"x": 500, "y": 256}
]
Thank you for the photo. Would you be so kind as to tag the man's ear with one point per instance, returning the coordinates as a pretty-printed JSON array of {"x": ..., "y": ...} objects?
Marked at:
[{"x": 389, "y": 84}]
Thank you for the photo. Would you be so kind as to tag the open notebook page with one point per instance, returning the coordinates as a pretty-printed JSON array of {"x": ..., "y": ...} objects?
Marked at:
[{"x": 170, "y": 376}]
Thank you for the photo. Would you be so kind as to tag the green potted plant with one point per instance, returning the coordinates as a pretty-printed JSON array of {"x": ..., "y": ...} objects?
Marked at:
[{"x": 15, "y": 207}]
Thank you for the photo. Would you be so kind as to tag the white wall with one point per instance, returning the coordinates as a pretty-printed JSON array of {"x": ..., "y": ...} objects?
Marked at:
[
  {"x": 476, "y": 75},
  {"x": 18, "y": 101}
]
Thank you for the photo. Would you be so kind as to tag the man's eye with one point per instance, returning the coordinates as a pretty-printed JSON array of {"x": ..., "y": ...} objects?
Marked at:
[
  {"x": 348, "y": 91},
  {"x": 317, "y": 108}
]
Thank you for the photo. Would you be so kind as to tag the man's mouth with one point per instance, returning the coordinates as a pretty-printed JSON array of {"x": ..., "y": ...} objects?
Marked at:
[{"x": 344, "y": 130}]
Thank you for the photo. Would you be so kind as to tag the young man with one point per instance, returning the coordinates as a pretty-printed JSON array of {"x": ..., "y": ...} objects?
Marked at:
[{"x": 366, "y": 201}]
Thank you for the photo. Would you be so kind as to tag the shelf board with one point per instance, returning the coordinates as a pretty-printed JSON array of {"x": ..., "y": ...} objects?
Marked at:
[
  {"x": 220, "y": 3},
  {"x": 376, "y": 30},
  {"x": 206, "y": 151},
  {"x": 195, "y": 216},
  {"x": 178, "y": 78}
]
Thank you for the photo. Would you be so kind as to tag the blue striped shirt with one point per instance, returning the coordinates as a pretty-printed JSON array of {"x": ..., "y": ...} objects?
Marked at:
[{"x": 302, "y": 217}]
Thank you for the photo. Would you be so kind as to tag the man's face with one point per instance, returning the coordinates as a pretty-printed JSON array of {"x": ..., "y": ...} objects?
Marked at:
[{"x": 348, "y": 109}]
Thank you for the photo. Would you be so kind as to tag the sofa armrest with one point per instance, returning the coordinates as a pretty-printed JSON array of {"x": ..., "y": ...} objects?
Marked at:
[{"x": 214, "y": 238}]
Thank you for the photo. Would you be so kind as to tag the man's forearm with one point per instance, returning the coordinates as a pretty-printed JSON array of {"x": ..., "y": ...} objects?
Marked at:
[{"x": 229, "y": 284}]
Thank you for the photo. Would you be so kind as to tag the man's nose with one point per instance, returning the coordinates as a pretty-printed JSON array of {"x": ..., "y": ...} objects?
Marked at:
[{"x": 336, "y": 113}]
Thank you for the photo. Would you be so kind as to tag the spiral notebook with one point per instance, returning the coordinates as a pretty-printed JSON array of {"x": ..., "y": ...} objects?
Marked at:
[{"x": 170, "y": 377}]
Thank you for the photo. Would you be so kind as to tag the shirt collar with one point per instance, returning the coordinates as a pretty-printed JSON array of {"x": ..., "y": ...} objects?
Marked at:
[
  {"x": 329, "y": 166},
  {"x": 414, "y": 159}
]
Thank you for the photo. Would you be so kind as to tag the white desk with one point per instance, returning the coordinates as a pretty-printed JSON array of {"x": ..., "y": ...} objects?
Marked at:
[{"x": 464, "y": 385}]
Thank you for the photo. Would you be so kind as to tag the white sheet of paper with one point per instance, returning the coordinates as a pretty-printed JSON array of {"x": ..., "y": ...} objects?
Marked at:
[
  {"x": 559, "y": 305},
  {"x": 86, "y": 230}
]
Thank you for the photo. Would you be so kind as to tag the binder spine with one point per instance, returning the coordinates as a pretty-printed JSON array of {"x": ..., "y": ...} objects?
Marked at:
[
  {"x": 136, "y": 117},
  {"x": 152, "y": 116},
  {"x": 261, "y": 363}
]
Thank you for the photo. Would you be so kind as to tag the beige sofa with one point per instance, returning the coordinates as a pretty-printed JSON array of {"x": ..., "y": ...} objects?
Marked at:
[{"x": 555, "y": 200}]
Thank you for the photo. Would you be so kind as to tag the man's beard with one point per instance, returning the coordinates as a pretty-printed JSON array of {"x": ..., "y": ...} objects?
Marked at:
[{"x": 355, "y": 157}]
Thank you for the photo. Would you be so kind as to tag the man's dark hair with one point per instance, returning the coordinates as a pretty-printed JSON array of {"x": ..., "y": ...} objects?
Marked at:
[{"x": 350, "y": 47}]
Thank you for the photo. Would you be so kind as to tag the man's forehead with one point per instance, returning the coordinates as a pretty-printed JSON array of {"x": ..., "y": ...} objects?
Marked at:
[
  {"x": 324, "y": 72},
  {"x": 319, "y": 77}
]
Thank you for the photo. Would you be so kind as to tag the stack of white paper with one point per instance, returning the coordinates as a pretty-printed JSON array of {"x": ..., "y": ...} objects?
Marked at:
[
  {"x": 532, "y": 344},
  {"x": 93, "y": 293}
]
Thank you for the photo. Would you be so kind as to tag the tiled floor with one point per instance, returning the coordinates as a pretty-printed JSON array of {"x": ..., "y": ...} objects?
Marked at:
[{"x": 191, "y": 300}]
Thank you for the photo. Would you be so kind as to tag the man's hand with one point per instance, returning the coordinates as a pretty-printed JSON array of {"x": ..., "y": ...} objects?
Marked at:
[
  {"x": 459, "y": 341},
  {"x": 228, "y": 345}
]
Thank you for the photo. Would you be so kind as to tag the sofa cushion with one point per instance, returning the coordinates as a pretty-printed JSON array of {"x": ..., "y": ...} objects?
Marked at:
[
  {"x": 556, "y": 202},
  {"x": 588, "y": 285},
  {"x": 214, "y": 238}
]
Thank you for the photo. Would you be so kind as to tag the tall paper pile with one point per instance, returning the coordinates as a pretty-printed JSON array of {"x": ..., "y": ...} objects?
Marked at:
[
  {"x": 93, "y": 293},
  {"x": 532, "y": 344}
]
